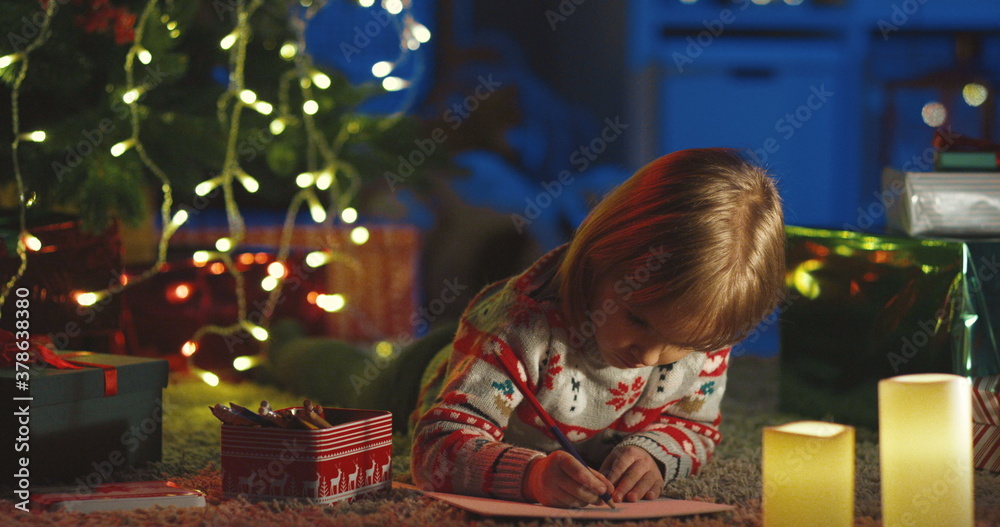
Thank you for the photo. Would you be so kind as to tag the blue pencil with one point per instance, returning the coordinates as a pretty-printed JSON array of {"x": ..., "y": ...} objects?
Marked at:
[{"x": 512, "y": 371}]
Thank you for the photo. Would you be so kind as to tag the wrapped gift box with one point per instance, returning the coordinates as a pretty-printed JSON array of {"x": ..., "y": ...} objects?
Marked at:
[
  {"x": 986, "y": 422},
  {"x": 942, "y": 203},
  {"x": 118, "y": 496},
  {"x": 861, "y": 308},
  {"x": 80, "y": 432},
  {"x": 325, "y": 466}
]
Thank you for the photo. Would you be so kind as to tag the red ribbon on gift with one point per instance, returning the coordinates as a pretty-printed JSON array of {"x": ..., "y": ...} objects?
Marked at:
[
  {"x": 110, "y": 372},
  {"x": 40, "y": 352},
  {"x": 37, "y": 348}
]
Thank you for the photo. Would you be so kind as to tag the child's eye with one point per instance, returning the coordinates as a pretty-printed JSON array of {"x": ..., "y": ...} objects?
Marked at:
[{"x": 635, "y": 320}]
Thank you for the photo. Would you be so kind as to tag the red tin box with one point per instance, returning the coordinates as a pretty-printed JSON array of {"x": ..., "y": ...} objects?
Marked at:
[{"x": 325, "y": 466}]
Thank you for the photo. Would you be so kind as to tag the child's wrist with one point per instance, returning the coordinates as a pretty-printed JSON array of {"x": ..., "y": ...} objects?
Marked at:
[{"x": 527, "y": 484}]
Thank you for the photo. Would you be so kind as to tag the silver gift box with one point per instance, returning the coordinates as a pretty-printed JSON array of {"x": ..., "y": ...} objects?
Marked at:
[{"x": 949, "y": 204}]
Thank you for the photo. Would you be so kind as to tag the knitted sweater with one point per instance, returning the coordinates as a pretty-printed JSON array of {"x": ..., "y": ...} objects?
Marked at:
[{"x": 480, "y": 434}]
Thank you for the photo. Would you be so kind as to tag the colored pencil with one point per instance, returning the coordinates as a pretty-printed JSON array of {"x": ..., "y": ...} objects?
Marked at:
[{"x": 512, "y": 371}]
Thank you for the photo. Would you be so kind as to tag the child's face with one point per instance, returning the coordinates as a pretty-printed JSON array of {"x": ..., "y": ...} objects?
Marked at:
[{"x": 628, "y": 338}]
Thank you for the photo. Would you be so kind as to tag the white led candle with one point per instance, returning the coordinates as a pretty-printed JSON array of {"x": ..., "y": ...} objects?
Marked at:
[
  {"x": 808, "y": 474},
  {"x": 925, "y": 448}
]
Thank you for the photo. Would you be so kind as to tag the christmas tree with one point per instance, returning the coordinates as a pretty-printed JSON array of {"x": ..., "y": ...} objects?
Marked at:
[
  {"x": 299, "y": 117},
  {"x": 194, "y": 104}
]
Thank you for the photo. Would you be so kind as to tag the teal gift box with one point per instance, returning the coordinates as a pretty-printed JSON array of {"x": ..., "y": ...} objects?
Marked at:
[
  {"x": 861, "y": 308},
  {"x": 78, "y": 432}
]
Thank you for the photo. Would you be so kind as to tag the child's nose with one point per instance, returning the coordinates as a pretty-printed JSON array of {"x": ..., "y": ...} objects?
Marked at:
[{"x": 648, "y": 356}]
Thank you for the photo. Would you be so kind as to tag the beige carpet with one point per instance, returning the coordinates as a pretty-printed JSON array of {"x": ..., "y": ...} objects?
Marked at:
[{"x": 191, "y": 439}]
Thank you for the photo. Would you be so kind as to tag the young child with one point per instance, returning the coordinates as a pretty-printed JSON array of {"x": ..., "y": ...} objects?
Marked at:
[{"x": 623, "y": 335}]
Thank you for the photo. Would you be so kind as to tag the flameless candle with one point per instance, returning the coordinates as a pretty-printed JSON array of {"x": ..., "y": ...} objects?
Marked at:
[
  {"x": 808, "y": 472},
  {"x": 925, "y": 447}
]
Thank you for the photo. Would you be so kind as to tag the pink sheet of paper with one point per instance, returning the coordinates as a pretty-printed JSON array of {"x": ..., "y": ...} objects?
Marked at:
[{"x": 644, "y": 509}]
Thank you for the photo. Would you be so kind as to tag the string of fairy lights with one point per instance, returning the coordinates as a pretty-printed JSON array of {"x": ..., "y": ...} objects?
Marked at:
[
  {"x": 25, "y": 240},
  {"x": 327, "y": 175}
]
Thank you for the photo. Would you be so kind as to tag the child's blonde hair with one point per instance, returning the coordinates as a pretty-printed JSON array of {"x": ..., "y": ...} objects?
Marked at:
[{"x": 700, "y": 231}]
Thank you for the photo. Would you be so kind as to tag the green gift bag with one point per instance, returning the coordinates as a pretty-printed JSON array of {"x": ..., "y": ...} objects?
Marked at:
[{"x": 861, "y": 308}]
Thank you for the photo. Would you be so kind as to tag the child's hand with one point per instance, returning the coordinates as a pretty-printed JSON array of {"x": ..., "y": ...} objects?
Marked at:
[
  {"x": 635, "y": 474},
  {"x": 559, "y": 480}
]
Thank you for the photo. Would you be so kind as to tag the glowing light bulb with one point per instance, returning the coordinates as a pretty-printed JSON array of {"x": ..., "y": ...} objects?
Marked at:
[
  {"x": 223, "y": 245},
  {"x": 244, "y": 363},
  {"x": 317, "y": 258},
  {"x": 248, "y": 96},
  {"x": 305, "y": 179},
  {"x": 7, "y": 60},
  {"x": 420, "y": 32},
  {"x": 37, "y": 136},
  {"x": 172, "y": 25},
  {"x": 359, "y": 235},
  {"x": 310, "y": 107},
  {"x": 288, "y": 50},
  {"x": 203, "y": 188},
  {"x": 383, "y": 349},
  {"x": 277, "y": 126},
  {"x": 122, "y": 147},
  {"x": 276, "y": 269},
  {"x": 324, "y": 180},
  {"x": 382, "y": 68},
  {"x": 228, "y": 40},
  {"x": 189, "y": 348},
  {"x": 394, "y": 83},
  {"x": 331, "y": 303},
  {"x": 394, "y": 7},
  {"x": 248, "y": 182},
  {"x": 259, "y": 333},
  {"x": 412, "y": 44},
  {"x": 87, "y": 299},
  {"x": 366, "y": 3},
  {"x": 320, "y": 80},
  {"x": 263, "y": 108},
  {"x": 132, "y": 95},
  {"x": 143, "y": 55},
  {"x": 32, "y": 243},
  {"x": 349, "y": 215},
  {"x": 179, "y": 218},
  {"x": 317, "y": 212},
  {"x": 269, "y": 283},
  {"x": 934, "y": 114},
  {"x": 210, "y": 378},
  {"x": 200, "y": 257},
  {"x": 975, "y": 94}
]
